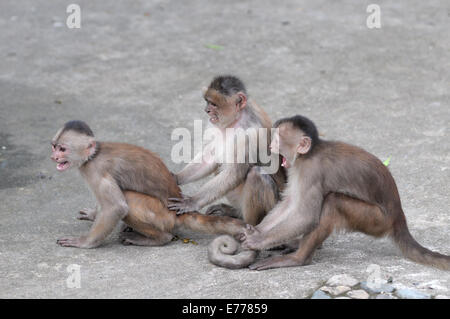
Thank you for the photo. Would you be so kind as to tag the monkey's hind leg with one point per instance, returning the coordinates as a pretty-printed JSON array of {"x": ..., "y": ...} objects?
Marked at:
[
  {"x": 329, "y": 220},
  {"x": 149, "y": 219}
]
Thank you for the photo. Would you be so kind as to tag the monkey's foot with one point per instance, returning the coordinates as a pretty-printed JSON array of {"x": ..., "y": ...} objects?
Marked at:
[
  {"x": 276, "y": 262},
  {"x": 72, "y": 242},
  {"x": 133, "y": 238},
  {"x": 183, "y": 205},
  {"x": 221, "y": 210},
  {"x": 87, "y": 214},
  {"x": 251, "y": 238}
]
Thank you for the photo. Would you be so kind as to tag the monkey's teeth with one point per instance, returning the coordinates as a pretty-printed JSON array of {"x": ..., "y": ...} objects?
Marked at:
[{"x": 62, "y": 166}]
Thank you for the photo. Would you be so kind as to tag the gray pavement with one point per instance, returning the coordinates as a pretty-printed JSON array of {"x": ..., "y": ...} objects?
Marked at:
[{"x": 134, "y": 72}]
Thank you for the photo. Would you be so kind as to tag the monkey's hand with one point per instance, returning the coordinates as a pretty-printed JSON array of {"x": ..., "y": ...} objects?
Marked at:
[
  {"x": 79, "y": 242},
  {"x": 87, "y": 214},
  {"x": 183, "y": 205},
  {"x": 250, "y": 238}
]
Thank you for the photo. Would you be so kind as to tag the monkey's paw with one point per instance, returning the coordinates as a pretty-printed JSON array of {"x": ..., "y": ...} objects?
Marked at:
[
  {"x": 183, "y": 205},
  {"x": 250, "y": 238},
  {"x": 72, "y": 242},
  {"x": 87, "y": 214}
]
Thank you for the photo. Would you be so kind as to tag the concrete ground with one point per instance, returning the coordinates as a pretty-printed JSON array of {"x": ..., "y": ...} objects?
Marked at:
[{"x": 134, "y": 72}]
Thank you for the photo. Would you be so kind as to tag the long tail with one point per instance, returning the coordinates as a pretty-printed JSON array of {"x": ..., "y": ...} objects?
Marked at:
[
  {"x": 224, "y": 251},
  {"x": 412, "y": 250},
  {"x": 210, "y": 224}
]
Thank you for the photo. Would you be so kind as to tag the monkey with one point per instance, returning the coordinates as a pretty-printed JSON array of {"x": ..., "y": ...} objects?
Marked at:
[
  {"x": 331, "y": 186},
  {"x": 251, "y": 192},
  {"x": 131, "y": 184}
]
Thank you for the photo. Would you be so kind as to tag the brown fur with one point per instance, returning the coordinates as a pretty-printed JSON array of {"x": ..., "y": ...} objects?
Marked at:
[
  {"x": 251, "y": 194},
  {"x": 131, "y": 184},
  {"x": 332, "y": 186}
]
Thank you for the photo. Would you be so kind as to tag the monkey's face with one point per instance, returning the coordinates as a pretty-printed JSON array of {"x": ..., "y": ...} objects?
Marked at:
[
  {"x": 285, "y": 142},
  {"x": 59, "y": 155},
  {"x": 71, "y": 149},
  {"x": 223, "y": 111}
]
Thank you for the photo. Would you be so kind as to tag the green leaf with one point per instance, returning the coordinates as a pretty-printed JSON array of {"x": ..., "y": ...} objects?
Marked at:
[
  {"x": 214, "y": 46},
  {"x": 386, "y": 162}
]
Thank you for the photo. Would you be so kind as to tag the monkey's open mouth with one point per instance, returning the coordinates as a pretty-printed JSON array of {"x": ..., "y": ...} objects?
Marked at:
[
  {"x": 284, "y": 162},
  {"x": 63, "y": 166}
]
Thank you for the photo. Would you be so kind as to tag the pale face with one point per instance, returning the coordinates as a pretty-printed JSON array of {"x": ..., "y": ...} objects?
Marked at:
[
  {"x": 223, "y": 111},
  {"x": 59, "y": 155},
  {"x": 286, "y": 141},
  {"x": 71, "y": 149}
]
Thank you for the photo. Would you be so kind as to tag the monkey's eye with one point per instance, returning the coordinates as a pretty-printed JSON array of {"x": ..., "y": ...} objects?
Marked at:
[{"x": 62, "y": 149}]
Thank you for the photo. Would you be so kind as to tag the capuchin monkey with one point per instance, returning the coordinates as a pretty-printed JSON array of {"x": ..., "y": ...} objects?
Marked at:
[
  {"x": 130, "y": 184},
  {"x": 331, "y": 186},
  {"x": 251, "y": 193}
]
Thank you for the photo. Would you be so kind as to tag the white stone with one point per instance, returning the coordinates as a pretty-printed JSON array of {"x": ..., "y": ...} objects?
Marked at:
[
  {"x": 386, "y": 296},
  {"x": 358, "y": 294},
  {"x": 412, "y": 294},
  {"x": 442, "y": 297},
  {"x": 336, "y": 291},
  {"x": 318, "y": 294},
  {"x": 342, "y": 280}
]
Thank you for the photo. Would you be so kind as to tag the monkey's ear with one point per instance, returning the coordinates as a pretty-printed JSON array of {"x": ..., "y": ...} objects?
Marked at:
[
  {"x": 242, "y": 100},
  {"x": 204, "y": 89},
  {"x": 305, "y": 145}
]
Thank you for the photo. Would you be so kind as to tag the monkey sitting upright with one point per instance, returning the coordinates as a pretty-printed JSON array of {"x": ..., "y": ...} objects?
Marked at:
[
  {"x": 331, "y": 186},
  {"x": 251, "y": 193},
  {"x": 130, "y": 184}
]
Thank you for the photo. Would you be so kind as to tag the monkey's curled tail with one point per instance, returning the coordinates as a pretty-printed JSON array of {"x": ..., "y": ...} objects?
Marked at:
[
  {"x": 224, "y": 251},
  {"x": 412, "y": 250}
]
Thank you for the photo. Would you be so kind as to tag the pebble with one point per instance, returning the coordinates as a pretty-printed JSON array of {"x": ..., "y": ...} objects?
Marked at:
[
  {"x": 411, "y": 294},
  {"x": 358, "y": 294},
  {"x": 319, "y": 294},
  {"x": 342, "y": 280},
  {"x": 386, "y": 296},
  {"x": 336, "y": 291},
  {"x": 376, "y": 289}
]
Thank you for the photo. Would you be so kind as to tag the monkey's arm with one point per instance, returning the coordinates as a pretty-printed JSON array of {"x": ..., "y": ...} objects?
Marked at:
[
  {"x": 201, "y": 166},
  {"x": 288, "y": 220},
  {"x": 113, "y": 208},
  {"x": 229, "y": 178}
]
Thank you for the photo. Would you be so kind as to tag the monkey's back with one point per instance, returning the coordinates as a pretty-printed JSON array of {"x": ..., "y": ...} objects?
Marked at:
[
  {"x": 137, "y": 169},
  {"x": 359, "y": 174}
]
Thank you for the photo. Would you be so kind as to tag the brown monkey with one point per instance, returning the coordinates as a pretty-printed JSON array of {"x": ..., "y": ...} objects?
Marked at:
[
  {"x": 229, "y": 107},
  {"x": 130, "y": 184},
  {"x": 331, "y": 185}
]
